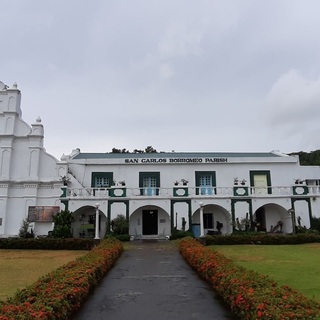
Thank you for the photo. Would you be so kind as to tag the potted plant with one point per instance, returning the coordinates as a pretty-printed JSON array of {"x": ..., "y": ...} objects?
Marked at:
[
  {"x": 184, "y": 182},
  {"x": 176, "y": 182},
  {"x": 122, "y": 183},
  {"x": 243, "y": 182},
  {"x": 65, "y": 180},
  {"x": 236, "y": 181}
]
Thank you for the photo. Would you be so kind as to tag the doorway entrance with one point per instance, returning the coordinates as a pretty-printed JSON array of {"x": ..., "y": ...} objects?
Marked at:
[
  {"x": 149, "y": 222},
  {"x": 261, "y": 219}
]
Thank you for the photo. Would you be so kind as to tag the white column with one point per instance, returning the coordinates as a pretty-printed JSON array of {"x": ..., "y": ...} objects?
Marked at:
[
  {"x": 201, "y": 220},
  {"x": 97, "y": 205},
  {"x": 293, "y": 219}
]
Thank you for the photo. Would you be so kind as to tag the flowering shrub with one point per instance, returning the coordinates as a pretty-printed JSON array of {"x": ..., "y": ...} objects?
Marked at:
[
  {"x": 61, "y": 292},
  {"x": 249, "y": 294}
]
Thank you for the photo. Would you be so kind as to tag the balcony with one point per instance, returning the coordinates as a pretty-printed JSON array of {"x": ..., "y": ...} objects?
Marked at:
[{"x": 192, "y": 192}]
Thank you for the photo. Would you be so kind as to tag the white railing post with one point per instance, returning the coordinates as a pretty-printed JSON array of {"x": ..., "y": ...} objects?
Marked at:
[{"x": 201, "y": 220}]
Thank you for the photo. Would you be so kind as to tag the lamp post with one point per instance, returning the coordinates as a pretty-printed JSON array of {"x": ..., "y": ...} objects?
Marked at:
[
  {"x": 97, "y": 205},
  {"x": 201, "y": 220}
]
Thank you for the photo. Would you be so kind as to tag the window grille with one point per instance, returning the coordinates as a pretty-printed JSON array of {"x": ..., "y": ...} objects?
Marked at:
[{"x": 102, "y": 182}]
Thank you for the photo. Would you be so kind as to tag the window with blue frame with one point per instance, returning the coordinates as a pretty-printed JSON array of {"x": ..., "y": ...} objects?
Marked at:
[
  {"x": 149, "y": 183},
  {"x": 205, "y": 182}
]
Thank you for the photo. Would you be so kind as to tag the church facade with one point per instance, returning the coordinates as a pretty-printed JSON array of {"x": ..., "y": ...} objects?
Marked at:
[
  {"x": 205, "y": 192},
  {"x": 29, "y": 176}
]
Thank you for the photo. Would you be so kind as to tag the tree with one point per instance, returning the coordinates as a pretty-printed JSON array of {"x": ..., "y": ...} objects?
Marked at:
[
  {"x": 62, "y": 224},
  {"x": 308, "y": 159},
  {"x": 137, "y": 151},
  {"x": 124, "y": 150},
  {"x": 115, "y": 150},
  {"x": 120, "y": 225},
  {"x": 150, "y": 149},
  {"x": 24, "y": 230}
]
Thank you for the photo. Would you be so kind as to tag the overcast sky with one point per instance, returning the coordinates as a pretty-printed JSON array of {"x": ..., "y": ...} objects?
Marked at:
[{"x": 237, "y": 75}]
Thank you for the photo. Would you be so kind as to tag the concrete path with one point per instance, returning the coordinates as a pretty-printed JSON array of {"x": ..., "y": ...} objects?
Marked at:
[{"x": 151, "y": 281}]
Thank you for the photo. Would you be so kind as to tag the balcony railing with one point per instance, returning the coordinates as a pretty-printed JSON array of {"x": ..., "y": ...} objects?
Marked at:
[{"x": 191, "y": 192}]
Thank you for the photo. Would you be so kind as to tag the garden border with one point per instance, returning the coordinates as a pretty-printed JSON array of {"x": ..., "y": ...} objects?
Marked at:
[
  {"x": 60, "y": 293},
  {"x": 249, "y": 294}
]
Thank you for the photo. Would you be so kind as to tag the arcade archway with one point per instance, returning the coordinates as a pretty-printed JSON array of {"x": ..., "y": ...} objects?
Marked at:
[{"x": 84, "y": 222}]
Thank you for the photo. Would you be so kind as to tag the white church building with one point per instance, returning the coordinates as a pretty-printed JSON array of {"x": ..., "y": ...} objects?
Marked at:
[{"x": 157, "y": 192}]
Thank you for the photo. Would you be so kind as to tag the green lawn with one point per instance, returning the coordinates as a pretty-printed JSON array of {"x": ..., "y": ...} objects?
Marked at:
[
  {"x": 19, "y": 268},
  {"x": 297, "y": 266}
]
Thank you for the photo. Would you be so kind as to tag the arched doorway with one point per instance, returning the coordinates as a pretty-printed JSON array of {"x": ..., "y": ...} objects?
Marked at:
[
  {"x": 213, "y": 216},
  {"x": 149, "y": 221},
  {"x": 84, "y": 222},
  {"x": 272, "y": 218}
]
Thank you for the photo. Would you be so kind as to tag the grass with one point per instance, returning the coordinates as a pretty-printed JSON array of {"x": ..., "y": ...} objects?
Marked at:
[
  {"x": 294, "y": 265},
  {"x": 19, "y": 268}
]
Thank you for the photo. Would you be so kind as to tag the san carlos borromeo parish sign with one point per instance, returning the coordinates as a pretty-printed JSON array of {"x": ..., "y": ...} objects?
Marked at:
[{"x": 175, "y": 160}]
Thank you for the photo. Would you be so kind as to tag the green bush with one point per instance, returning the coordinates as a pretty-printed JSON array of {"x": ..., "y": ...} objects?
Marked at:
[
  {"x": 24, "y": 230},
  {"x": 263, "y": 239},
  {"x": 47, "y": 244},
  {"x": 312, "y": 231},
  {"x": 120, "y": 225},
  {"x": 62, "y": 224},
  {"x": 178, "y": 234},
  {"x": 122, "y": 237}
]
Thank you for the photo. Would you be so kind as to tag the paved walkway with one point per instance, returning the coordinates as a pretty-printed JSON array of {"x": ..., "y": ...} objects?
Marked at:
[{"x": 152, "y": 281}]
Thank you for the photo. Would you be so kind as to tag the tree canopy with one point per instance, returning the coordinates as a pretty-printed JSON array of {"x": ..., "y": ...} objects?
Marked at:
[
  {"x": 62, "y": 224},
  {"x": 148, "y": 149},
  {"x": 308, "y": 158}
]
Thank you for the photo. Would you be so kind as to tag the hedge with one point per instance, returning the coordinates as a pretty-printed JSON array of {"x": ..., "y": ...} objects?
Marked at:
[
  {"x": 178, "y": 234},
  {"x": 47, "y": 243},
  {"x": 60, "y": 293},
  {"x": 122, "y": 237},
  {"x": 249, "y": 294},
  {"x": 262, "y": 238}
]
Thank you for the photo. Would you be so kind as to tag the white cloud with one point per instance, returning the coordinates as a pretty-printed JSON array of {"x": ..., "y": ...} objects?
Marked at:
[
  {"x": 292, "y": 108},
  {"x": 294, "y": 99}
]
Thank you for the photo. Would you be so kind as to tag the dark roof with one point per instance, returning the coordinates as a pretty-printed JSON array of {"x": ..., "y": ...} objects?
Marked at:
[{"x": 176, "y": 155}]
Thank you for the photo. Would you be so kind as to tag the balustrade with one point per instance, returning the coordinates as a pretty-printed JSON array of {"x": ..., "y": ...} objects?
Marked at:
[{"x": 191, "y": 192}]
